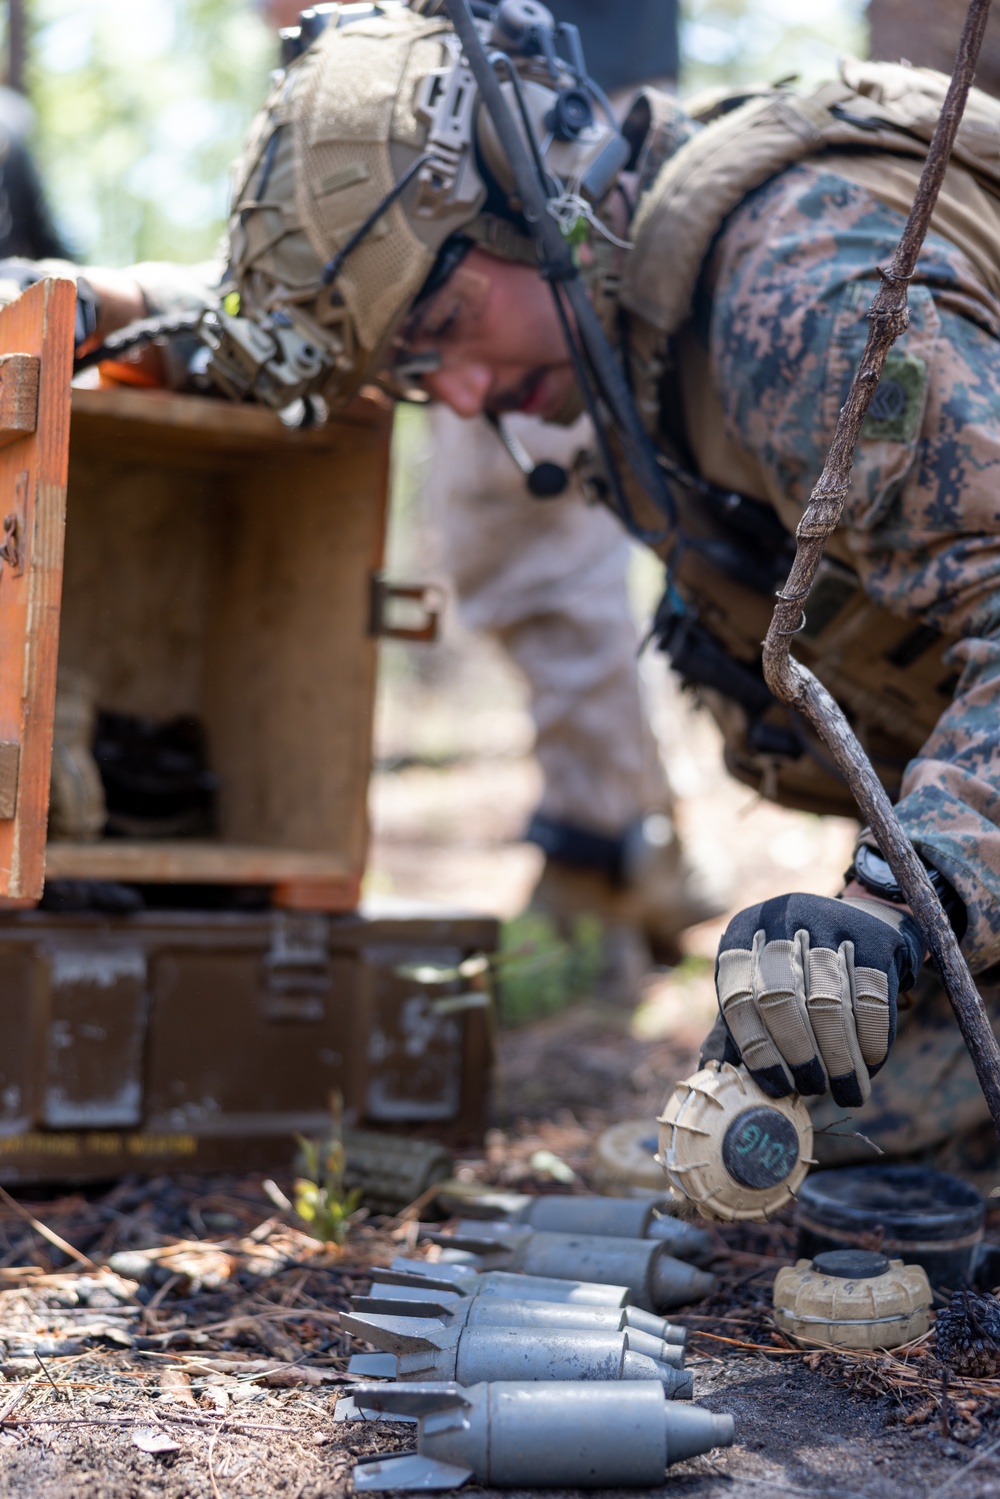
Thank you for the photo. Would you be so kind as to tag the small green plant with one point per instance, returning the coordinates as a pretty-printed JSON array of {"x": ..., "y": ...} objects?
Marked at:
[
  {"x": 322, "y": 1200},
  {"x": 539, "y": 972}
]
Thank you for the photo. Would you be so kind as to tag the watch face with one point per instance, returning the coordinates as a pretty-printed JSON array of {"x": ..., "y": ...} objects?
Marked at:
[{"x": 874, "y": 871}]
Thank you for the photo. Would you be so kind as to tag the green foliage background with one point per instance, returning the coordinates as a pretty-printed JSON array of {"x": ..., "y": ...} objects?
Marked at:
[
  {"x": 142, "y": 104},
  {"x": 741, "y": 41},
  {"x": 141, "y": 107}
]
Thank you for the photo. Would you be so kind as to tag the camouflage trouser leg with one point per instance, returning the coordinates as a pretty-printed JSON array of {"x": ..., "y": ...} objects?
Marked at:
[
  {"x": 926, "y": 1101},
  {"x": 550, "y": 581}
]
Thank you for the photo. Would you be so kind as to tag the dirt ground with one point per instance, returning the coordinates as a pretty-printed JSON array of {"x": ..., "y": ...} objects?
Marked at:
[
  {"x": 211, "y": 1369},
  {"x": 215, "y": 1371}
]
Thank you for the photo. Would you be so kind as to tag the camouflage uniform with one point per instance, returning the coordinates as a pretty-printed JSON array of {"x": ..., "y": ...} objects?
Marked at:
[
  {"x": 550, "y": 581},
  {"x": 781, "y": 312}
]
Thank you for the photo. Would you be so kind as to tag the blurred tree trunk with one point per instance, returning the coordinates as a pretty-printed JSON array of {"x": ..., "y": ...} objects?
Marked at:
[
  {"x": 15, "y": 45},
  {"x": 926, "y": 33}
]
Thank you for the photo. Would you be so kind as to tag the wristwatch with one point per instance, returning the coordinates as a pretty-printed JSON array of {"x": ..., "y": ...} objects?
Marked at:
[{"x": 872, "y": 871}]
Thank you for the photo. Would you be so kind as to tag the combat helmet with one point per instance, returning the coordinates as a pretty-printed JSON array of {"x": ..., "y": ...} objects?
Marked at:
[{"x": 370, "y": 161}]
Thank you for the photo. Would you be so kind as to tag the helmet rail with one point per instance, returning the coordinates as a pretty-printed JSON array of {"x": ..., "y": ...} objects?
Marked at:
[{"x": 598, "y": 373}]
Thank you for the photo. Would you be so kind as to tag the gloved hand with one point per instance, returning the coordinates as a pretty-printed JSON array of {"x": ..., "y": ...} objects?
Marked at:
[
  {"x": 807, "y": 992},
  {"x": 17, "y": 275}
]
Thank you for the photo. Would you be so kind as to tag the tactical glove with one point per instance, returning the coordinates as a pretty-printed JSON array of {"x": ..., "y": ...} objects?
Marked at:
[
  {"x": 17, "y": 275},
  {"x": 807, "y": 992}
]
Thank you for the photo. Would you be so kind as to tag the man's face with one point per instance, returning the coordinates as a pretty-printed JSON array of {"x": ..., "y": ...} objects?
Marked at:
[{"x": 496, "y": 336}]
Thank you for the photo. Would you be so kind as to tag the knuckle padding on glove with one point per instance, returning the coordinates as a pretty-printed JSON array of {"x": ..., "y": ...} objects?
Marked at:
[
  {"x": 832, "y": 1014},
  {"x": 781, "y": 997},
  {"x": 807, "y": 988},
  {"x": 781, "y": 992},
  {"x": 871, "y": 1014},
  {"x": 734, "y": 981}
]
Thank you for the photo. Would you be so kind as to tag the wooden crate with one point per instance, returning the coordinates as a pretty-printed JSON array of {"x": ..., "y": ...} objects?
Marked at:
[
  {"x": 217, "y": 564},
  {"x": 36, "y": 358}
]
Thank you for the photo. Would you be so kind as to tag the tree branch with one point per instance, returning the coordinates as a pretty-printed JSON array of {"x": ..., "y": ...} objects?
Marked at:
[{"x": 793, "y": 683}]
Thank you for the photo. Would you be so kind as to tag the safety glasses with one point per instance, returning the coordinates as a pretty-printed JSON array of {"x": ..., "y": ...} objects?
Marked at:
[{"x": 441, "y": 328}]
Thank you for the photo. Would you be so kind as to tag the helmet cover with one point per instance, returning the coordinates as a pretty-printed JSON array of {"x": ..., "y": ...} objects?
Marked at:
[{"x": 367, "y": 103}]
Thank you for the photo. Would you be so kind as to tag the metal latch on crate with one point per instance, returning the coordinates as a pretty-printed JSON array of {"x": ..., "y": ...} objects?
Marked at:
[
  {"x": 297, "y": 976},
  {"x": 404, "y": 611},
  {"x": 12, "y": 546}
]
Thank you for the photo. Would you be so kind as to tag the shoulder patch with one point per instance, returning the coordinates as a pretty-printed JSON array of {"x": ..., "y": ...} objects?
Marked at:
[{"x": 896, "y": 408}]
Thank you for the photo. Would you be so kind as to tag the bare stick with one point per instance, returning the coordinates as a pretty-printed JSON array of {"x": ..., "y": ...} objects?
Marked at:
[
  {"x": 48, "y": 1233},
  {"x": 44, "y": 1368},
  {"x": 793, "y": 683},
  {"x": 211, "y": 1471},
  {"x": 7, "y": 1410}
]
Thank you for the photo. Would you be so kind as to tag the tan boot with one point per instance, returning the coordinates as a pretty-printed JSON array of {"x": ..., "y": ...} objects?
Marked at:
[
  {"x": 642, "y": 907},
  {"x": 577, "y": 901},
  {"x": 661, "y": 893}
]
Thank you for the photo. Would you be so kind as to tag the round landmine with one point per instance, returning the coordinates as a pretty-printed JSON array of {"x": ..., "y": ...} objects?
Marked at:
[
  {"x": 853, "y": 1299},
  {"x": 625, "y": 1161},
  {"x": 731, "y": 1150}
]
